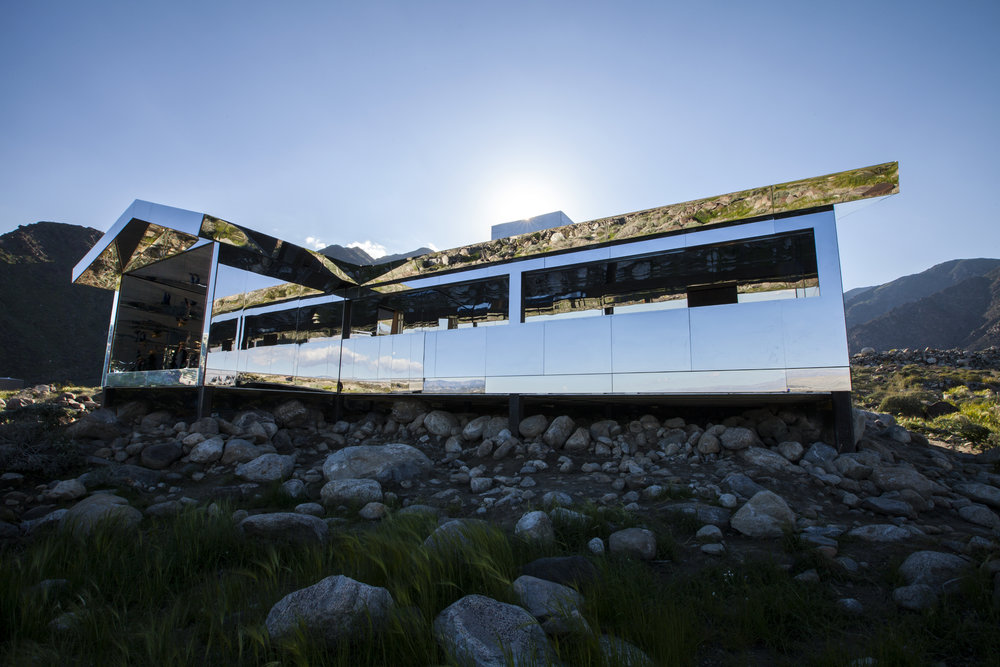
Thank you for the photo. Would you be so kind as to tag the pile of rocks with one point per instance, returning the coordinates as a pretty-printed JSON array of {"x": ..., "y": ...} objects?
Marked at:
[
  {"x": 977, "y": 359},
  {"x": 747, "y": 480}
]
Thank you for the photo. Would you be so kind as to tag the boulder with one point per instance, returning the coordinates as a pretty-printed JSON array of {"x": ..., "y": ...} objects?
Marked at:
[
  {"x": 97, "y": 425},
  {"x": 932, "y": 568},
  {"x": 494, "y": 426},
  {"x": 207, "y": 451},
  {"x": 768, "y": 460},
  {"x": 160, "y": 455},
  {"x": 150, "y": 422},
  {"x": 533, "y": 426},
  {"x": 474, "y": 429},
  {"x": 477, "y": 631},
  {"x": 205, "y": 426},
  {"x": 335, "y": 609},
  {"x": 819, "y": 454},
  {"x": 453, "y": 534},
  {"x": 851, "y": 466},
  {"x": 633, "y": 542},
  {"x": 915, "y": 597},
  {"x": 741, "y": 485},
  {"x": 559, "y": 431},
  {"x": 980, "y": 515},
  {"x": 267, "y": 468},
  {"x": 579, "y": 441},
  {"x": 535, "y": 527},
  {"x": 881, "y": 532},
  {"x": 68, "y": 489},
  {"x": 291, "y": 413},
  {"x": 100, "y": 508},
  {"x": 738, "y": 437},
  {"x": 766, "y": 514},
  {"x": 388, "y": 464},
  {"x": 791, "y": 450},
  {"x": 440, "y": 422},
  {"x": 238, "y": 450},
  {"x": 717, "y": 516},
  {"x": 406, "y": 410},
  {"x": 889, "y": 506},
  {"x": 286, "y": 527},
  {"x": 558, "y": 608},
  {"x": 350, "y": 492},
  {"x": 899, "y": 477},
  {"x": 982, "y": 493}
]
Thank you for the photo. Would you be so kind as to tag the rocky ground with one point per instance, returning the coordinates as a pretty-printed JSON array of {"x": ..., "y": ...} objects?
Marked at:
[{"x": 758, "y": 484}]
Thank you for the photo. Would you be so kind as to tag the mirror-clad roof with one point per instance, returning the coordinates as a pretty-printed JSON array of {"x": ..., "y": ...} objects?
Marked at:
[{"x": 147, "y": 232}]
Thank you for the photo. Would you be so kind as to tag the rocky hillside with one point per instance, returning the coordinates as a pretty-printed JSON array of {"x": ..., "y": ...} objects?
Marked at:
[
  {"x": 54, "y": 331},
  {"x": 952, "y": 305},
  {"x": 361, "y": 258}
]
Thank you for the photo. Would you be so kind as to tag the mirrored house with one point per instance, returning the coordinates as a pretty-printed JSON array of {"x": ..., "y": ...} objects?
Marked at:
[{"x": 736, "y": 295}]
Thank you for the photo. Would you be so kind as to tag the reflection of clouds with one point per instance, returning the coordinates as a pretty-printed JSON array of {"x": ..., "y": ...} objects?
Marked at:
[
  {"x": 320, "y": 358},
  {"x": 368, "y": 366}
]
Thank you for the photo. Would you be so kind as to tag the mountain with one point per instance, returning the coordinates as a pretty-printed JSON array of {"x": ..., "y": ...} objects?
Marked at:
[
  {"x": 952, "y": 305},
  {"x": 53, "y": 330},
  {"x": 361, "y": 258}
]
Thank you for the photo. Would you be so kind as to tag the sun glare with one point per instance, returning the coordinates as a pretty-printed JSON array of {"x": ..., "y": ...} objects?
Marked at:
[{"x": 522, "y": 198}]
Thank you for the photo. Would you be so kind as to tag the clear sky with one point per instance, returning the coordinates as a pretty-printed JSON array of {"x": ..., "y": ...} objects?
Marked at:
[{"x": 415, "y": 123}]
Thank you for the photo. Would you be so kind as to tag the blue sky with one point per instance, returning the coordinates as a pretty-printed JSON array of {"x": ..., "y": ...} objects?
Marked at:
[{"x": 408, "y": 124}]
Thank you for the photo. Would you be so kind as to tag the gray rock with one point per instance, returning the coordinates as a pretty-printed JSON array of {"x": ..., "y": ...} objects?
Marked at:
[
  {"x": 286, "y": 527},
  {"x": 557, "y": 498},
  {"x": 898, "y": 477},
  {"x": 850, "y": 466},
  {"x": 100, "y": 508},
  {"x": 165, "y": 509},
  {"x": 480, "y": 484},
  {"x": 932, "y": 568},
  {"x": 535, "y": 527},
  {"x": 741, "y": 485},
  {"x": 559, "y": 431},
  {"x": 474, "y": 429},
  {"x": 717, "y": 516},
  {"x": 149, "y": 422},
  {"x": 565, "y": 517},
  {"x": 708, "y": 444},
  {"x": 482, "y": 632},
  {"x": 579, "y": 441},
  {"x": 205, "y": 426},
  {"x": 334, "y": 609},
  {"x": 766, "y": 514},
  {"x": 98, "y": 425},
  {"x": 619, "y": 652},
  {"x": 440, "y": 422},
  {"x": 207, "y": 451},
  {"x": 291, "y": 413},
  {"x": 313, "y": 509},
  {"x": 54, "y": 518},
  {"x": 350, "y": 491},
  {"x": 983, "y": 493},
  {"x": 596, "y": 546},
  {"x": 713, "y": 549},
  {"x": 373, "y": 511},
  {"x": 633, "y": 542},
  {"x": 238, "y": 450},
  {"x": 881, "y": 532},
  {"x": 768, "y": 460},
  {"x": 68, "y": 489},
  {"x": 708, "y": 533},
  {"x": 558, "y": 608},
  {"x": 161, "y": 455},
  {"x": 820, "y": 454},
  {"x": 267, "y": 468},
  {"x": 533, "y": 426},
  {"x": 392, "y": 463},
  {"x": 453, "y": 534},
  {"x": 889, "y": 506},
  {"x": 495, "y": 426},
  {"x": 738, "y": 437},
  {"x": 791, "y": 450},
  {"x": 916, "y": 597},
  {"x": 294, "y": 488},
  {"x": 406, "y": 410},
  {"x": 980, "y": 515},
  {"x": 850, "y": 606}
]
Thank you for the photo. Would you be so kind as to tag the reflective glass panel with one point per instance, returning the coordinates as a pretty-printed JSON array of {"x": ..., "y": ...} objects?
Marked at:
[{"x": 160, "y": 314}]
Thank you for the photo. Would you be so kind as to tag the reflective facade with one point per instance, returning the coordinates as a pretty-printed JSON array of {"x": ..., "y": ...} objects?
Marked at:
[{"x": 625, "y": 305}]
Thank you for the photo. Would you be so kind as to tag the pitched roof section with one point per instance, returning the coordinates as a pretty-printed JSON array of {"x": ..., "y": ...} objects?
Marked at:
[{"x": 147, "y": 233}]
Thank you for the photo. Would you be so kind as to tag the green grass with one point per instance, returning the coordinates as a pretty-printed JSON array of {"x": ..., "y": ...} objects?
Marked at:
[{"x": 191, "y": 590}]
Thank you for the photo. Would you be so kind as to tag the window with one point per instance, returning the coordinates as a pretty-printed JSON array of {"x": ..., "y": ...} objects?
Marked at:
[{"x": 772, "y": 267}]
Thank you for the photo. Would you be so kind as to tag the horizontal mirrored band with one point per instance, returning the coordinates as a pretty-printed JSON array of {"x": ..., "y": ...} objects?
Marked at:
[
  {"x": 701, "y": 382},
  {"x": 376, "y": 386},
  {"x": 818, "y": 379},
  {"x": 215, "y": 377},
  {"x": 550, "y": 384},
  {"x": 176, "y": 377},
  {"x": 455, "y": 386}
]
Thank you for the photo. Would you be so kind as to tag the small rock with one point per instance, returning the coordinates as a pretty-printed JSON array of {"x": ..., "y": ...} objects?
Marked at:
[
  {"x": 373, "y": 511},
  {"x": 286, "y": 527},
  {"x": 350, "y": 491},
  {"x": 916, "y": 597},
  {"x": 267, "y": 468},
  {"x": 535, "y": 527},
  {"x": 766, "y": 514},
  {"x": 637, "y": 542},
  {"x": 334, "y": 609}
]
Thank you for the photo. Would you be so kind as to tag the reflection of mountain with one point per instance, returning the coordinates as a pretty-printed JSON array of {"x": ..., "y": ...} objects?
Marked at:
[
  {"x": 54, "y": 331},
  {"x": 952, "y": 305},
  {"x": 361, "y": 258}
]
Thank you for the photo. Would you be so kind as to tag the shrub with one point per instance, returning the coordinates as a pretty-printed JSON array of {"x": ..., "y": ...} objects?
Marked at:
[{"x": 908, "y": 403}]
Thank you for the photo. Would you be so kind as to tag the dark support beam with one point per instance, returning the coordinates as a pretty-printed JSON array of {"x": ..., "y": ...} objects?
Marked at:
[
  {"x": 204, "y": 401},
  {"x": 516, "y": 414},
  {"x": 843, "y": 421}
]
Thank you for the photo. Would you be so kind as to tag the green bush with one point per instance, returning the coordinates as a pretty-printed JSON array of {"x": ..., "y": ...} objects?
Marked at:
[{"x": 907, "y": 404}]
